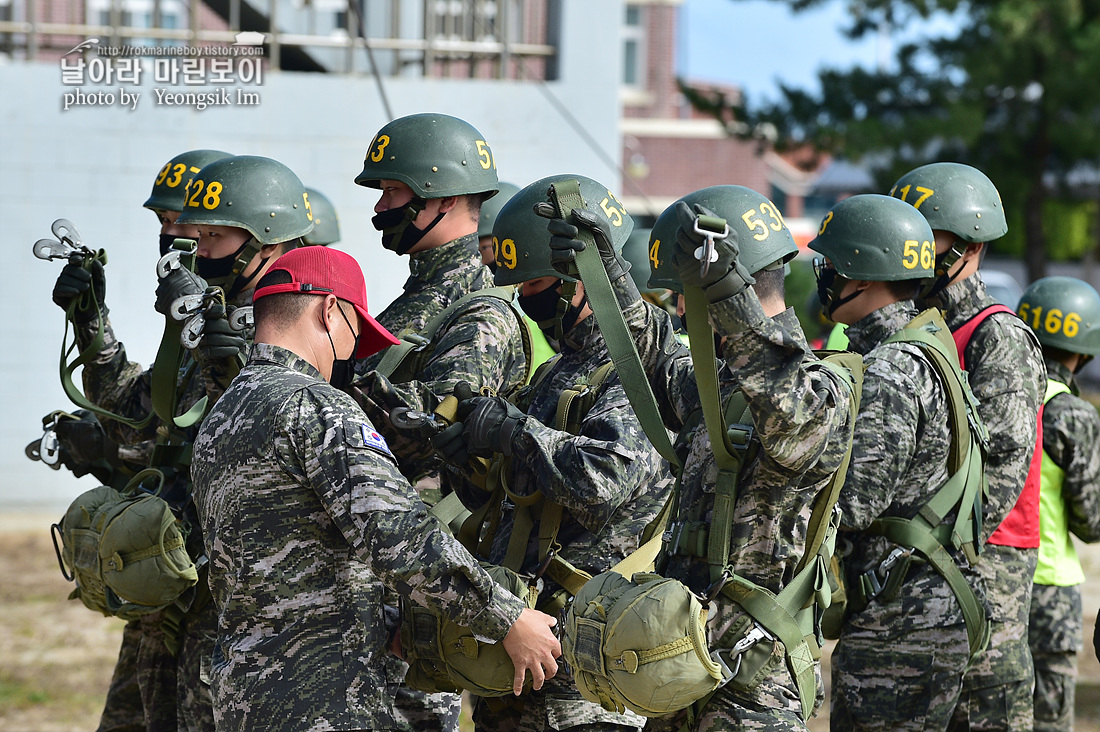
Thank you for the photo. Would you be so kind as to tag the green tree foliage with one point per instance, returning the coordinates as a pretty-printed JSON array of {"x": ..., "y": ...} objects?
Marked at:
[{"x": 1011, "y": 92}]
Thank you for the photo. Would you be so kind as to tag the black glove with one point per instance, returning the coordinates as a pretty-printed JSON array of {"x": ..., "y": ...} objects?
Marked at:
[
  {"x": 564, "y": 246},
  {"x": 491, "y": 425},
  {"x": 726, "y": 276},
  {"x": 73, "y": 282},
  {"x": 451, "y": 442},
  {"x": 218, "y": 342},
  {"x": 83, "y": 441},
  {"x": 179, "y": 282}
]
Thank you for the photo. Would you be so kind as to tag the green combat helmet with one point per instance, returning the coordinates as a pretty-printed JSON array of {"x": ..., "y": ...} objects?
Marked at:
[
  {"x": 491, "y": 209},
  {"x": 955, "y": 198},
  {"x": 875, "y": 238},
  {"x": 326, "y": 225},
  {"x": 436, "y": 156},
  {"x": 257, "y": 194},
  {"x": 521, "y": 245},
  {"x": 1064, "y": 312},
  {"x": 636, "y": 251},
  {"x": 763, "y": 238},
  {"x": 174, "y": 178}
]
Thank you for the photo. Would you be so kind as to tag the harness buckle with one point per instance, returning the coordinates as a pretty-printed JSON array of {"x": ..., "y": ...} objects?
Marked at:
[{"x": 876, "y": 577}]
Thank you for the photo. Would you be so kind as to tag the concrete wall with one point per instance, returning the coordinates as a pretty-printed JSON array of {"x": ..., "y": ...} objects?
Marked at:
[{"x": 95, "y": 166}]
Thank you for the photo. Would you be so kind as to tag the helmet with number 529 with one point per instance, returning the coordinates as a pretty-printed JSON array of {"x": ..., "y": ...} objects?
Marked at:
[
  {"x": 876, "y": 238},
  {"x": 763, "y": 238},
  {"x": 521, "y": 241},
  {"x": 1064, "y": 312}
]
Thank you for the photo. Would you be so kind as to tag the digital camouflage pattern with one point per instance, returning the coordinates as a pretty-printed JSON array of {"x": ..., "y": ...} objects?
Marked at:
[
  {"x": 305, "y": 515},
  {"x": 1071, "y": 434},
  {"x": 899, "y": 663},
  {"x": 1007, "y": 375},
  {"x": 437, "y": 278},
  {"x": 611, "y": 482},
  {"x": 123, "y": 711},
  {"x": 800, "y": 412},
  {"x": 482, "y": 345}
]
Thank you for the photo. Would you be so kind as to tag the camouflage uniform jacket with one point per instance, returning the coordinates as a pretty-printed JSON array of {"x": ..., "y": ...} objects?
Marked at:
[
  {"x": 437, "y": 277},
  {"x": 1071, "y": 436},
  {"x": 304, "y": 511},
  {"x": 1007, "y": 375},
  {"x": 800, "y": 411},
  {"x": 609, "y": 477},
  {"x": 899, "y": 460}
]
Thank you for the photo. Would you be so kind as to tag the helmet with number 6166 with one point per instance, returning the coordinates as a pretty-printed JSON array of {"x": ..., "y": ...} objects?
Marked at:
[{"x": 1064, "y": 312}]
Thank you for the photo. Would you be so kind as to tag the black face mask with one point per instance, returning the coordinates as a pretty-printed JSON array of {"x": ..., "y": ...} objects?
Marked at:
[
  {"x": 343, "y": 369},
  {"x": 829, "y": 284},
  {"x": 219, "y": 272},
  {"x": 398, "y": 232},
  {"x": 542, "y": 307},
  {"x": 166, "y": 243}
]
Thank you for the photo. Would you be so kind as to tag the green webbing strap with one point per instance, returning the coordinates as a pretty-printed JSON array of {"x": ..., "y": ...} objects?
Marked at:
[
  {"x": 907, "y": 533},
  {"x": 450, "y": 512},
  {"x": 394, "y": 356},
  {"x": 567, "y": 196}
]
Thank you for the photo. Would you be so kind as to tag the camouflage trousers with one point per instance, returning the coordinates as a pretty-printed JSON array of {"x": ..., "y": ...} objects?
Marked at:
[
  {"x": 195, "y": 706},
  {"x": 1055, "y": 637},
  {"x": 728, "y": 711},
  {"x": 122, "y": 711},
  {"x": 997, "y": 690},
  {"x": 556, "y": 706},
  {"x": 906, "y": 680}
]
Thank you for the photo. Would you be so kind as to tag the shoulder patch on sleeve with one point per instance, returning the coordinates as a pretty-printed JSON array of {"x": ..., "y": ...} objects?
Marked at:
[{"x": 372, "y": 439}]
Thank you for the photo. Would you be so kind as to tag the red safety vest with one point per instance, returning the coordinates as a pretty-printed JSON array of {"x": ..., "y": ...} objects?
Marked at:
[{"x": 1020, "y": 528}]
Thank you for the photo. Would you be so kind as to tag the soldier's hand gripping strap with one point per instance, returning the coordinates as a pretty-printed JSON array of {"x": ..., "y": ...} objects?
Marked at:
[{"x": 566, "y": 195}]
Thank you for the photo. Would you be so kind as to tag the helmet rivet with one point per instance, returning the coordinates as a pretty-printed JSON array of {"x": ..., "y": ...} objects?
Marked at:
[
  {"x": 267, "y": 229},
  {"x": 272, "y": 214},
  {"x": 463, "y": 162},
  {"x": 435, "y": 169},
  {"x": 935, "y": 208},
  {"x": 979, "y": 214},
  {"x": 295, "y": 206},
  {"x": 855, "y": 251},
  {"x": 228, "y": 203},
  {"x": 976, "y": 227},
  {"x": 428, "y": 184}
]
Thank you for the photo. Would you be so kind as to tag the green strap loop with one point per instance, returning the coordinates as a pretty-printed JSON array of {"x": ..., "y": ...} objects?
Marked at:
[{"x": 567, "y": 196}]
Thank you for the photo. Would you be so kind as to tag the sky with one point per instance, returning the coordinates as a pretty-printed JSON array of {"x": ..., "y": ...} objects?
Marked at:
[{"x": 755, "y": 43}]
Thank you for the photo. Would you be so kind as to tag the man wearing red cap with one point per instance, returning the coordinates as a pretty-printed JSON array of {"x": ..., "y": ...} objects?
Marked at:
[{"x": 304, "y": 512}]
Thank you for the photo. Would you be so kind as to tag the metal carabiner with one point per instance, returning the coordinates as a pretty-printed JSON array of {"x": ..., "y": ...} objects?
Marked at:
[
  {"x": 706, "y": 253},
  {"x": 242, "y": 320},
  {"x": 191, "y": 333},
  {"x": 185, "y": 306},
  {"x": 67, "y": 244}
]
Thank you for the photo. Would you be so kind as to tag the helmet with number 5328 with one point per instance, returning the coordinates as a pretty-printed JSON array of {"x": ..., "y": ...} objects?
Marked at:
[
  {"x": 176, "y": 175},
  {"x": 763, "y": 238},
  {"x": 956, "y": 198},
  {"x": 1064, "y": 312},
  {"x": 521, "y": 241},
  {"x": 876, "y": 238},
  {"x": 436, "y": 155},
  {"x": 257, "y": 194}
]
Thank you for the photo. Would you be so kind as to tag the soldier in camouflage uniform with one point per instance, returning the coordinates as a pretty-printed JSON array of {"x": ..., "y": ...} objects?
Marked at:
[
  {"x": 304, "y": 513},
  {"x": 900, "y": 659},
  {"x": 799, "y": 408},
  {"x": 1007, "y": 375},
  {"x": 143, "y": 692},
  {"x": 1065, "y": 314},
  {"x": 434, "y": 171},
  {"x": 601, "y": 469}
]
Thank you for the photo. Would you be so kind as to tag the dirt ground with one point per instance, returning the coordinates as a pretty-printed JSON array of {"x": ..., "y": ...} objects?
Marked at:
[{"x": 56, "y": 656}]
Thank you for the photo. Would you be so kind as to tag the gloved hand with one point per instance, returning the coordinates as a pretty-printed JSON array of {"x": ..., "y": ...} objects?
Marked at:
[
  {"x": 179, "y": 282},
  {"x": 726, "y": 276},
  {"x": 83, "y": 440},
  {"x": 219, "y": 342},
  {"x": 564, "y": 246},
  {"x": 451, "y": 442},
  {"x": 485, "y": 425},
  {"x": 73, "y": 282}
]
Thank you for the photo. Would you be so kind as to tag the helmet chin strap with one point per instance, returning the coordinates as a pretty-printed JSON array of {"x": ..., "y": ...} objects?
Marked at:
[{"x": 944, "y": 263}]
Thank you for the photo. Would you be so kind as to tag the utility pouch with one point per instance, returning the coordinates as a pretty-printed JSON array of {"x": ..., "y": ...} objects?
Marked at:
[{"x": 751, "y": 652}]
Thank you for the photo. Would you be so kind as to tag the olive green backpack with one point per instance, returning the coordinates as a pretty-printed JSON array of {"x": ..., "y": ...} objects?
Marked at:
[{"x": 126, "y": 551}]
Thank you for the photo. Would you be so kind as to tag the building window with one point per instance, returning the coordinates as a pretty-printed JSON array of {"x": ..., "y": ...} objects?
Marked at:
[{"x": 634, "y": 46}]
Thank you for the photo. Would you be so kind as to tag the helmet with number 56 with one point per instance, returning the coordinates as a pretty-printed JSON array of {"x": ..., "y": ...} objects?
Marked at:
[
  {"x": 521, "y": 242},
  {"x": 1064, "y": 312},
  {"x": 763, "y": 238},
  {"x": 876, "y": 238}
]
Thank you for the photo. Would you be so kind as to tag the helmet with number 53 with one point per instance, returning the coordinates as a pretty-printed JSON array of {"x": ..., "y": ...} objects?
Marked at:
[
  {"x": 1064, "y": 312},
  {"x": 763, "y": 238}
]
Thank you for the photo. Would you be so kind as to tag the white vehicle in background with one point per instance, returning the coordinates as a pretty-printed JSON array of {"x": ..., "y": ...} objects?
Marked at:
[{"x": 1002, "y": 287}]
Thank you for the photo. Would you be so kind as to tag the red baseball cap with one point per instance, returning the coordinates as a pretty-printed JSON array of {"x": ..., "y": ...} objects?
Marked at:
[{"x": 321, "y": 271}]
